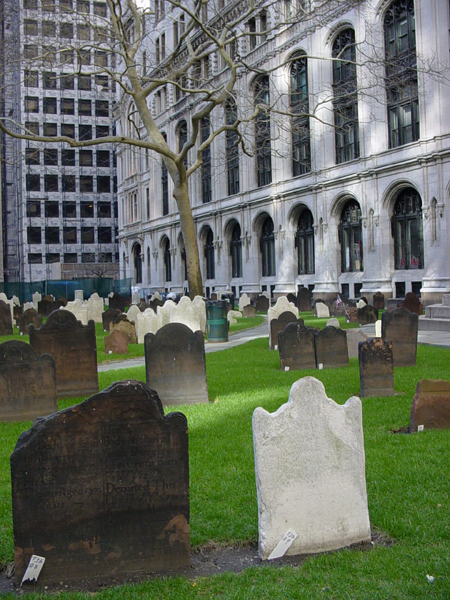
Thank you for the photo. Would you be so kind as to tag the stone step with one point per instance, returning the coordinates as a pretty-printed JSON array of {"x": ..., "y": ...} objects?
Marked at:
[
  {"x": 437, "y": 311},
  {"x": 426, "y": 324}
]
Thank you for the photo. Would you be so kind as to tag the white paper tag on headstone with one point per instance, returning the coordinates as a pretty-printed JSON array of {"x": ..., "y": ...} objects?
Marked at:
[
  {"x": 283, "y": 545},
  {"x": 286, "y": 368},
  {"x": 420, "y": 428},
  {"x": 109, "y": 351},
  {"x": 320, "y": 365},
  {"x": 275, "y": 347},
  {"x": 34, "y": 568}
]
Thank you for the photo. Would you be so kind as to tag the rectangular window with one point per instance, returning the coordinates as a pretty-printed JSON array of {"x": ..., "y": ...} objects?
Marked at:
[
  {"x": 68, "y": 130},
  {"x": 67, "y": 106},
  {"x": 101, "y": 108},
  {"x": 50, "y": 129},
  {"x": 103, "y": 158},
  {"x": 85, "y": 132},
  {"x": 67, "y": 82},
  {"x": 52, "y": 235},
  {"x": 105, "y": 257},
  {"x": 31, "y": 78},
  {"x": 51, "y": 183},
  {"x": 33, "y": 183},
  {"x": 70, "y": 210},
  {"x": 51, "y": 209},
  {"x": 104, "y": 235},
  {"x": 103, "y": 210},
  {"x": 32, "y": 156},
  {"x": 51, "y": 157},
  {"x": 83, "y": 7},
  {"x": 68, "y": 158},
  {"x": 31, "y": 104},
  {"x": 30, "y": 4},
  {"x": 50, "y": 106},
  {"x": 32, "y": 127},
  {"x": 34, "y": 258},
  {"x": 52, "y": 257},
  {"x": 34, "y": 235},
  {"x": 70, "y": 235},
  {"x": 66, "y": 6},
  {"x": 33, "y": 208},
  {"x": 48, "y": 28},
  {"x": 48, "y": 5},
  {"x": 100, "y": 9},
  {"x": 86, "y": 158},
  {"x": 88, "y": 257},
  {"x": 101, "y": 131},
  {"x": 86, "y": 184},
  {"x": 101, "y": 58},
  {"x": 84, "y": 82},
  {"x": 67, "y": 57},
  {"x": 102, "y": 82},
  {"x": 70, "y": 257},
  {"x": 30, "y": 27},
  {"x": 84, "y": 57},
  {"x": 83, "y": 32},
  {"x": 84, "y": 108},
  {"x": 68, "y": 183},
  {"x": 87, "y": 210},
  {"x": 103, "y": 184},
  {"x": 87, "y": 235},
  {"x": 30, "y": 51}
]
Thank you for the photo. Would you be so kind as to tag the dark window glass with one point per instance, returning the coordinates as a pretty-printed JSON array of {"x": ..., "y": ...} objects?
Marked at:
[
  {"x": 232, "y": 150},
  {"x": 84, "y": 82},
  {"x": 86, "y": 183},
  {"x": 100, "y": 9},
  {"x": 33, "y": 183},
  {"x": 48, "y": 29},
  {"x": 66, "y": 6},
  {"x": 33, "y": 208},
  {"x": 50, "y": 129},
  {"x": 51, "y": 209},
  {"x": 35, "y": 259},
  {"x": 51, "y": 183},
  {"x": 236, "y": 252},
  {"x": 68, "y": 130},
  {"x": 350, "y": 237},
  {"x": 31, "y": 78},
  {"x": 87, "y": 235},
  {"x": 70, "y": 210},
  {"x": 48, "y": 5},
  {"x": 32, "y": 156},
  {"x": 31, "y": 104},
  {"x": 407, "y": 230},
  {"x": 86, "y": 158},
  {"x": 104, "y": 209},
  {"x": 70, "y": 257},
  {"x": 30, "y": 27},
  {"x": 299, "y": 103},
  {"x": 304, "y": 242},
  {"x": 105, "y": 257},
  {"x": 30, "y": 51},
  {"x": 84, "y": 57},
  {"x": 102, "y": 108},
  {"x": 167, "y": 262},
  {"x": 67, "y": 82},
  {"x": 103, "y": 158},
  {"x": 52, "y": 235},
  {"x": 103, "y": 184},
  {"x": 206, "y": 158},
  {"x": 104, "y": 235},
  {"x": 34, "y": 235},
  {"x": 262, "y": 132},
  {"x": 66, "y": 30},
  {"x": 83, "y": 6},
  {"x": 67, "y": 106},
  {"x": 68, "y": 158},
  {"x": 209, "y": 256},
  {"x": 52, "y": 257},
  {"x": 84, "y": 107},
  {"x": 51, "y": 157},
  {"x": 68, "y": 183},
  {"x": 165, "y": 186},
  {"x": 87, "y": 210},
  {"x": 32, "y": 127},
  {"x": 267, "y": 247},
  {"x": 70, "y": 235},
  {"x": 83, "y": 32},
  {"x": 88, "y": 257},
  {"x": 102, "y": 81},
  {"x": 30, "y": 4},
  {"x": 50, "y": 81},
  {"x": 50, "y": 107},
  {"x": 85, "y": 132},
  {"x": 101, "y": 131}
]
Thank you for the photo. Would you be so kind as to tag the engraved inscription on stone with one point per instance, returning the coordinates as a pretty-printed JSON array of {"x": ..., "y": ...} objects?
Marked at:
[
  {"x": 277, "y": 325},
  {"x": 27, "y": 383},
  {"x": 296, "y": 347},
  {"x": 331, "y": 348},
  {"x": 304, "y": 299},
  {"x": 376, "y": 367},
  {"x": 401, "y": 327},
  {"x": 431, "y": 405},
  {"x": 101, "y": 489},
  {"x": 108, "y": 316},
  {"x": 74, "y": 348},
  {"x": 28, "y": 317}
]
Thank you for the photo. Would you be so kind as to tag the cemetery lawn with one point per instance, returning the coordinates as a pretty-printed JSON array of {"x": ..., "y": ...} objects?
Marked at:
[{"x": 407, "y": 486}]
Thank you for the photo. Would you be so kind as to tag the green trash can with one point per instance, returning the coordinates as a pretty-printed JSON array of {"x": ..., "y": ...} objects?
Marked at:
[{"x": 216, "y": 321}]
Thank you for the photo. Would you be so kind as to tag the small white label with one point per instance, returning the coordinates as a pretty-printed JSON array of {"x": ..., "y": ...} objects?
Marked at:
[
  {"x": 348, "y": 321},
  {"x": 275, "y": 347},
  {"x": 283, "y": 545},
  {"x": 21, "y": 333},
  {"x": 420, "y": 428},
  {"x": 109, "y": 351},
  {"x": 320, "y": 365},
  {"x": 286, "y": 368},
  {"x": 34, "y": 568}
]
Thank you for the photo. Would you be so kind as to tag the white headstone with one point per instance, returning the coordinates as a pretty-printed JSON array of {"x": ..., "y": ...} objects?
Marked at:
[
  {"x": 37, "y": 297},
  {"x": 266, "y": 294},
  {"x": 378, "y": 328},
  {"x": 79, "y": 295},
  {"x": 146, "y": 322},
  {"x": 185, "y": 312},
  {"x": 135, "y": 298},
  {"x": 232, "y": 315},
  {"x": 132, "y": 312},
  {"x": 244, "y": 300},
  {"x": 360, "y": 304},
  {"x": 164, "y": 312},
  {"x": 156, "y": 296},
  {"x": 354, "y": 336},
  {"x": 310, "y": 472},
  {"x": 200, "y": 305},
  {"x": 77, "y": 308},
  {"x": 11, "y": 304},
  {"x": 27, "y": 305},
  {"x": 95, "y": 308},
  {"x": 15, "y": 300},
  {"x": 333, "y": 322},
  {"x": 282, "y": 305},
  {"x": 322, "y": 310}
]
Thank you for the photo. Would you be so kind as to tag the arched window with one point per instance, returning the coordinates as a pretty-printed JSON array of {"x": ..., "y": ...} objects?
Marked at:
[
  {"x": 182, "y": 138},
  {"x": 137, "y": 263},
  {"x": 345, "y": 97},
  {"x": 299, "y": 102},
  {"x": 350, "y": 237},
  {"x": 149, "y": 277},
  {"x": 304, "y": 242},
  {"x": 209, "y": 256},
  {"x": 232, "y": 151},
  {"x": 262, "y": 132},
  {"x": 167, "y": 261},
  {"x": 267, "y": 246},
  {"x": 164, "y": 185},
  {"x": 236, "y": 251},
  {"x": 206, "y": 164},
  {"x": 407, "y": 230},
  {"x": 401, "y": 73}
]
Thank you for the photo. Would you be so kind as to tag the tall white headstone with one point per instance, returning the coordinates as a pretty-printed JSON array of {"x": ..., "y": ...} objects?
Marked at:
[
  {"x": 185, "y": 312},
  {"x": 200, "y": 305},
  {"x": 146, "y": 322},
  {"x": 244, "y": 300},
  {"x": 132, "y": 313},
  {"x": 282, "y": 305},
  {"x": 310, "y": 472},
  {"x": 322, "y": 310}
]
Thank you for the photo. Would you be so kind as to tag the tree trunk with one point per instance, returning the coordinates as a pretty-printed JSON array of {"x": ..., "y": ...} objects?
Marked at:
[{"x": 181, "y": 195}]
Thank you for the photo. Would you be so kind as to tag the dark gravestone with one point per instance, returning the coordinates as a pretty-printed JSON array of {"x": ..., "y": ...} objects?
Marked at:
[
  {"x": 213, "y": 296},
  {"x": 262, "y": 304},
  {"x": 304, "y": 299},
  {"x": 292, "y": 298},
  {"x": 331, "y": 348},
  {"x": 45, "y": 305},
  {"x": 378, "y": 301},
  {"x": 155, "y": 303},
  {"x": 367, "y": 314},
  {"x": 27, "y": 383},
  {"x": 101, "y": 489},
  {"x": 116, "y": 342},
  {"x": 175, "y": 364},
  {"x": 296, "y": 346},
  {"x": 121, "y": 323},
  {"x": 376, "y": 367},
  {"x": 6, "y": 327},
  {"x": 116, "y": 301},
  {"x": 28, "y": 317},
  {"x": 431, "y": 405},
  {"x": 56, "y": 305},
  {"x": 108, "y": 317},
  {"x": 401, "y": 327},
  {"x": 143, "y": 305},
  {"x": 249, "y": 311},
  {"x": 73, "y": 346},
  {"x": 17, "y": 311},
  {"x": 412, "y": 303},
  {"x": 277, "y": 325},
  {"x": 352, "y": 314}
]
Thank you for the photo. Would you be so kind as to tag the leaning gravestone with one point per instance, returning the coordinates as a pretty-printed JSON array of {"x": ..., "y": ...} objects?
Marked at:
[
  {"x": 249, "y": 310},
  {"x": 121, "y": 323},
  {"x": 322, "y": 310},
  {"x": 296, "y": 347},
  {"x": 310, "y": 472},
  {"x": 367, "y": 314},
  {"x": 262, "y": 304},
  {"x": 277, "y": 325},
  {"x": 431, "y": 405},
  {"x": 6, "y": 327},
  {"x": 304, "y": 299},
  {"x": 27, "y": 383},
  {"x": 73, "y": 346},
  {"x": 376, "y": 368},
  {"x": 401, "y": 327},
  {"x": 378, "y": 301},
  {"x": 109, "y": 316},
  {"x": 331, "y": 348},
  {"x": 101, "y": 489},
  {"x": 175, "y": 364},
  {"x": 28, "y": 317},
  {"x": 116, "y": 342}
]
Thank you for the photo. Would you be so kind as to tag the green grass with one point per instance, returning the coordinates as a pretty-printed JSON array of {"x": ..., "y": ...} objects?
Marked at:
[
  {"x": 247, "y": 323},
  {"x": 407, "y": 485}
]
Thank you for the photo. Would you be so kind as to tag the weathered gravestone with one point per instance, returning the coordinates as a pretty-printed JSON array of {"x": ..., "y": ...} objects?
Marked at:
[
  {"x": 116, "y": 301},
  {"x": 143, "y": 306},
  {"x": 292, "y": 298},
  {"x": 121, "y": 323},
  {"x": 101, "y": 489},
  {"x": 146, "y": 322},
  {"x": 401, "y": 327},
  {"x": 45, "y": 305},
  {"x": 412, "y": 303},
  {"x": 296, "y": 347},
  {"x": 28, "y": 317},
  {"x": 109, "y": 316},
  {"x": 376, "y": 368},
  {"x": 378, "y": 301},
  {"x": 304, "y": 299},
  {"x": 17, "y": 311},
  {"x": 262, "y": 304},
  {"x": 244, "y": 300},
  {"x": 367, "y": 314},
  {"x": 333, "y": 322},
  {"x": 431, "y": 405},
  {"x": 27, "y": 383},
  {"x": 310, "y": 472},
  {"x": 354, "y": 336},
  {"x": 132, "y": 312},
  {"x": 116, "y": 342},
  {"x": 6, "y": 327},
  {"x": 331, "y": 348},
  {"x": 277, "y": 325},
  {"x": 155, "y": 302},
  {"x": 249, "y": 310},
  {"x": 321, "y": 310},
  {"x": 175, "y": 364},
  {"x": 352, "y": 314},
  {"x": 74, "y": 348}
]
